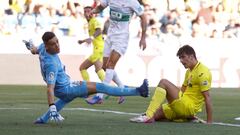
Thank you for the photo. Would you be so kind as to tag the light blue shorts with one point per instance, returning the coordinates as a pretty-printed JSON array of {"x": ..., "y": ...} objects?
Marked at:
[{"x": 74, "y": 90}]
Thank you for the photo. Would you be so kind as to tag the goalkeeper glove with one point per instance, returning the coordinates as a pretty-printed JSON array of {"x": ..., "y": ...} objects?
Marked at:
[
  {"x": 54, "y": 115},
  {"x": 29, "y": 44}
]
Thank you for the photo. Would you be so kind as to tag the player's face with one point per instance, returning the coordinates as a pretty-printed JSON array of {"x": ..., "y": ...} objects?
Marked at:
[
  {"x": 52, "y": 46},
  {"x": 87, "y": 13},
  {"x": 186, "y": 60}
]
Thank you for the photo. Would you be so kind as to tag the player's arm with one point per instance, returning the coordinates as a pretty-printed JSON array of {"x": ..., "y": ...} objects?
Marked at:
[
  {"x": 208, "y": 104},
  {"x": 97, "y": 32},
  {"x": 51, "y": 76},
  {"x": 142, "y": 43},
  {"x": 30, "y": 46},
  {"x": 98, "y": 9},
  {"x": 34, "y": 50},
  {"x": 54, "y": 114},
  {"x": 183, "y": 88},
  {"x": 50, "y": 94}
]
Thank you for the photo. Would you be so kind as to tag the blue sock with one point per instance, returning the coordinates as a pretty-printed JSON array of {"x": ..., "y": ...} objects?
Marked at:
[
  {"x": 116, "y": 91},
  {"x": 59, "y": 105}
]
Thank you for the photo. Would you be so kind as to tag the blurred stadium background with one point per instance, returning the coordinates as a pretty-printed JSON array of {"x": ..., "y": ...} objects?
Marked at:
[{"x": 212, "y": 27}]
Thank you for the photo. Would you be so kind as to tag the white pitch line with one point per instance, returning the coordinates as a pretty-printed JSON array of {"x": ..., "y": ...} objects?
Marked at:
[
  {"x": 15, "y": 108},
  {"x": 226, "y": 124},
  {"x": 97, "y": 110},
  {"x": 116, "y": 112}
]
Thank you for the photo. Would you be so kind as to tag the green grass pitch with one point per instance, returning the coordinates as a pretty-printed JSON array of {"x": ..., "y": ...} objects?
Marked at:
[{"x": 21, "y": 105}]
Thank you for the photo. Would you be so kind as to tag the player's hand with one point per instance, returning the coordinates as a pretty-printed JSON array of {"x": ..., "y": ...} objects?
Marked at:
[
  {"x": 29, "y": 44},
  {"x": 81, "y": 41},
  {"x": 54, "y": 115},
  {"x": 88, "y": 40},
  {"x": 142, "y": 44}
]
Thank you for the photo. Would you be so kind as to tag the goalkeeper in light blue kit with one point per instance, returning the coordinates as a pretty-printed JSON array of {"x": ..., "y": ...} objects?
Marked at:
[{"x": 59, "y": 85}]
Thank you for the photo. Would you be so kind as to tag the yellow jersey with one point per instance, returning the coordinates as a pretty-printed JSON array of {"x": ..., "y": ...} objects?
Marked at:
[
  {"x": 197, "y": 81},
  {"x": 98, "y": 41}
]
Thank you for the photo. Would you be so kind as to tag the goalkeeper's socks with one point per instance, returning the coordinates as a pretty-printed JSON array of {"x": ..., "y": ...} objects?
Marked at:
[{"x": 115, "y": 91}]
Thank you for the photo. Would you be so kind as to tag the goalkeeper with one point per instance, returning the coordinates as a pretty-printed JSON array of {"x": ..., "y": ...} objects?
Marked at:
[{"x": 59, "y": 85}]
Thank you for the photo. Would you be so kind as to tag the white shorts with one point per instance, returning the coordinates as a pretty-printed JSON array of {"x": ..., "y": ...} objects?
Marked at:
[{"x": 119, "y": 44}]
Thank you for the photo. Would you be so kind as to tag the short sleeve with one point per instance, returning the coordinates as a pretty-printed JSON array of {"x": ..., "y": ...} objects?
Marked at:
[
  {"x": 96, "y": 24},
  {"x": 185, "y": 82},
  {"x": 40, "y": 48},
  {"x": 137, "y": 7},
  {"x": 51, "y": 73},
  {"x": 104, "y": 3},
  {"x": 205, "y": 81}
]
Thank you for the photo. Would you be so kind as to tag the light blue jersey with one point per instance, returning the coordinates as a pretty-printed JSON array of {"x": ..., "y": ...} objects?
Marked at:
[{"x": 53, "y": 71}]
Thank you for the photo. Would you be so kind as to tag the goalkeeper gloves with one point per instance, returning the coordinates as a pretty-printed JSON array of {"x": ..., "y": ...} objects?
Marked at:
[
  {"x": 29, "y": 44},
  {"x": 54, "y": 115}
]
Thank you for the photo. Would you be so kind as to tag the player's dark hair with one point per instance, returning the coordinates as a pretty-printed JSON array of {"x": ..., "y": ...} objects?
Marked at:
[
  {"x": 88, "y": 7},
  {"x": 141, "y": 2},
  {"x": 47, "y": 36},
  {"x": 186, "y": 49}
]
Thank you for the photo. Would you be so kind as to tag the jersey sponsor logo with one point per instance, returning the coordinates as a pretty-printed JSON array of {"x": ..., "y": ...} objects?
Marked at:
[
  {"x": 51, "y": 76},
  {"x": 116, "y": 15}
]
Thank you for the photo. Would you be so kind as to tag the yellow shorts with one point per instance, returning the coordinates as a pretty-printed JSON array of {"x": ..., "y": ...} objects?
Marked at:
[
  {"x": 179, "y": 108},
  {"x": 97, "y": 54}
]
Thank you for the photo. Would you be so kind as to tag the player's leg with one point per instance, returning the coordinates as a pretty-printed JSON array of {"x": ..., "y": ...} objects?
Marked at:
[
  {"x": 111, "y": 74},
  {"x": 93, "y": 88},
  {"x": 98, "y": 69},
  {"x": 111, "y": 57},
  {"x": 171, "y": 89},
  {"x": 98, "y": 98},
  {"x": 158, "y": 98},
  {"x": 111, "y": 63},
  {"x": 83, "y": 69},
  {"x": 165, "y": 89}
]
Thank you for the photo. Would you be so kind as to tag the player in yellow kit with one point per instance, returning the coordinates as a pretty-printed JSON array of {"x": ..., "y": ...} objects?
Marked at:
[
  {"x": 95, "y": 37},
  {"x": 185, "y": 102}
]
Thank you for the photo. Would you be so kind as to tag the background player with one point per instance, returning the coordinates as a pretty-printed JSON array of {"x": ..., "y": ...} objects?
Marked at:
[
  {"x": 116, "y": 43},
  {"x": 95, "y": 33}
]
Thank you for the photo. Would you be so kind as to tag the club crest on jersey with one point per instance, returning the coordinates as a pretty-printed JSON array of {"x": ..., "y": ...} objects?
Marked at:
[
  {"x": 205, "y": 83},
  {"x": 200, "y": 75},
  {"x": 51, "y": 76},
  {"x": 189, "y": 82}
]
